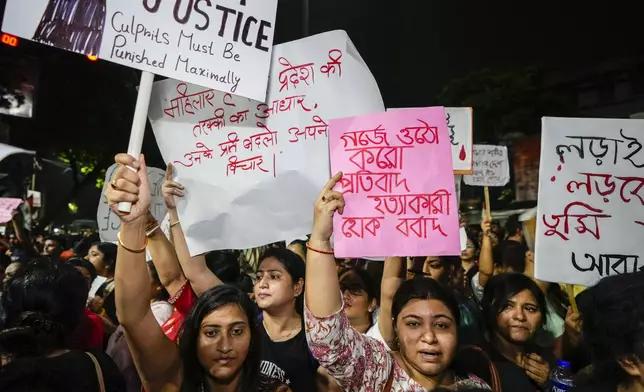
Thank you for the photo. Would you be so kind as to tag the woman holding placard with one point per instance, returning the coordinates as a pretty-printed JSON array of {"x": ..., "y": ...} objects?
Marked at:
[
  {"x": 425, "y": 318},
  {"x": 218, "y": 346}
]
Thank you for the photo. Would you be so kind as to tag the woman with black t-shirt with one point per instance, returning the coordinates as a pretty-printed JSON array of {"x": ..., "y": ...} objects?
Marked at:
[{"x": 279, "y": 293}]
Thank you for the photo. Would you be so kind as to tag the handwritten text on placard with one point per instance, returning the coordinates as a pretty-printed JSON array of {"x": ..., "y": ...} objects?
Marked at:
[
  {"x": 109, "y": 223},
  {"x": 591, "y": 196},
  {"x": 225, "y": 45},
  {"x": 491, "y": 166},
  {"x": 397, "y": 183},
  {"x": 254, "y": 169}
]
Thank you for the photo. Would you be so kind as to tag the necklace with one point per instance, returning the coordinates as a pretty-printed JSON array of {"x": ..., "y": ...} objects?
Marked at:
[{"x": 285, "y": 335}]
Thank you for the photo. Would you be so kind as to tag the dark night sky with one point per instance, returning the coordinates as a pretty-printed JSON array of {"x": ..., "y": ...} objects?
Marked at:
[{"x": 414, "y": 47}]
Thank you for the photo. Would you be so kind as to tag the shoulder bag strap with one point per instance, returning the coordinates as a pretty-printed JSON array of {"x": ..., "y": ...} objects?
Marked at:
[
  {"x": 494, "y": 374},
  {"x": 99, "y": 372}
]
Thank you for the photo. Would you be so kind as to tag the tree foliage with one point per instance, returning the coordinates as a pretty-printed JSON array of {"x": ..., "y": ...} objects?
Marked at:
[{"x": 505, "y": 102}]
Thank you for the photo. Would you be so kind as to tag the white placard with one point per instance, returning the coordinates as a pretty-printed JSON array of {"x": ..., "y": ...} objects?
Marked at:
[
  {"x": 109, "y": 223},
  {"x": 459, "y": 125},
  {"x": 590, "y": 216},
  {"x": 225, "y": 45},
  {"x": 6, "y": 150},
  {"x": 461, "y": 131},
  {"x": 251, "y": 178},
  {"x": 491, "y": 166}
]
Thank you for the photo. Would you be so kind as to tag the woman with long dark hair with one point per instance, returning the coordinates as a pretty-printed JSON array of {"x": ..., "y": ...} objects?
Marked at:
[
  {"x": 425, "y": 320},
  {"x": 219, "y": 342},
  {"x": 514, "y": 310}
]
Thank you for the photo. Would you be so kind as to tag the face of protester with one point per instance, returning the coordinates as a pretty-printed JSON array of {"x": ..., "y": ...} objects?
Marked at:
[
  {"x": 470, "y": 251},
  {"x": 426, "y": 331},
  {"x": 434, "y": 268},
  {"x": 97, "y": 258},
  {"x": 356, "y": 300},
  {"x": 519, "y": 319},
  {"x": 274, "y": 287},
  {"x": 9, "y": 273},
  {"x": 49, "y": 248},
  {"x": 224, "y": 342}
]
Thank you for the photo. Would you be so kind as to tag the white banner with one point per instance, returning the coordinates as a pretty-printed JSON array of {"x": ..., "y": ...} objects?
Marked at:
[
  {"x": 459, "y": 125},
  {"x": 491, "y": 166},
  {"x": 461, "y": 131},
  {"x": 109, "y": 223},
  {"x": 225, "y": 45},
  {"x": 252, "y": 170},
  {"x": 590, "y": 218}
]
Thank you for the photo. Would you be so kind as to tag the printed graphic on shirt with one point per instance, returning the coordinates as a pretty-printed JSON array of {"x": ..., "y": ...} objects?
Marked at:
[{"x": 269, "y": 369}]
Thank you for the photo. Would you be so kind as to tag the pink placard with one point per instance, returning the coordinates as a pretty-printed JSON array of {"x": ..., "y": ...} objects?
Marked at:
[
  {"x": 398, "y": 185},
  {"x": 7, "y": 205}
]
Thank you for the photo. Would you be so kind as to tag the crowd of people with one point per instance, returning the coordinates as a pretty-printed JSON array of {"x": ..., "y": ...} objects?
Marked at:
[{"x": 302, "y": 320}]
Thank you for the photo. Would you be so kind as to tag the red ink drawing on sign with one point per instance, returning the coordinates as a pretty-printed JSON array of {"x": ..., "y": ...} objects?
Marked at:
[
  {"x": 418, "y": 226},
  {"x": 310, "y": 131},
  {"x": 462, "y": 155},
  {"x": 250, "y": 164},
  {"x": 436, "y": 203},
  {"x": 365, "y": 138},
  {"x": 189, "y": 103},
  {"x": 195, "y": 156},
  {"x": 294, "y": 74},
  {"x": 356, "y": 227},
  {"x": 595, "y": 214},
  {"x": 335, "y": 55},
  {"x": 204, "y": 126},
  {"x": 230, "y": 145},
  {"x": 365, "y": 181},
  {"x": 238, "y": 117},
  {"x": 384, "y": 157},
  {"x": 266, "y": 138},
  {"x": 421, "y": 134}
]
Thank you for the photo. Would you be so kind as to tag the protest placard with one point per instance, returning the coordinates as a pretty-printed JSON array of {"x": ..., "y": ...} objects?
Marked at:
[
  {"x": 109, "y": 223},
  {"x": 252, "y": 170},
  {"x": 7, "y": 206},
  {"x": 398, "y": 185},
  {"x": 460, "y": 130},
  {"x": 225, "y": 45},
  {"x": 490, "y": 166},
  {"x": 590, "y": 219}
]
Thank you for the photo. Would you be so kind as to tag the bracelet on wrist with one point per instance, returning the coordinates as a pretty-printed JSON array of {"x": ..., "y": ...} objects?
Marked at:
[
  {"x": 323, "y": 252},
  {"x": 118, "y": 238}
]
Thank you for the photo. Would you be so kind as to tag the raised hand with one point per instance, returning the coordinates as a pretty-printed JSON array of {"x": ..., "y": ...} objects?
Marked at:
[
  {"x": 486, "y": 226},
  {"x": 327, "y": 203},
  {"x": 129, "y": 186},
  {"x": 171, "y": 188}
]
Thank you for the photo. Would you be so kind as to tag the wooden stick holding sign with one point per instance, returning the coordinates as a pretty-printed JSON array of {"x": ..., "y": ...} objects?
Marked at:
[
  {"x": 490, "y": 168},
  {"x": 488, "y": 208},
  {"x": 138, "y": 124}
]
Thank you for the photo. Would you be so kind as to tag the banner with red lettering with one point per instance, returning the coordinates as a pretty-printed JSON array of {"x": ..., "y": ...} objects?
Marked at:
[
  {"x": 224, "y": 44},
  {"x": 398, "y": 185},
  {"x": 590, "y": 218},
  {"x": 253, "y": 170}
]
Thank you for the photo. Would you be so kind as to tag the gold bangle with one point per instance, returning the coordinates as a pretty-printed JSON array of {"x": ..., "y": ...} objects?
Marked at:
[
  {"x": 145, "y": 245},
  {"x": 175, "y": 223},
  {"x": 150, "y": 233}
]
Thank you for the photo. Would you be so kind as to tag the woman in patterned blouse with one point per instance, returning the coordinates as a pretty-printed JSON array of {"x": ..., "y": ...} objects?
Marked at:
[{"x": 425, "y": 317}]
